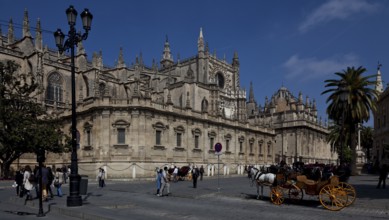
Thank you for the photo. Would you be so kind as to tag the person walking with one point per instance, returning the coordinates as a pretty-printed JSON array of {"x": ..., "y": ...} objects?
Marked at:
[
  {"x": 50, "y": 177},
  {"x": 45, "y": 180},
  {"x": 64, "y": 173},
  {"x": 165, "y": 183},
  {"x": 175, "y": 173},
  {"x": 58, "y": 181},
  {"x": 201, "y": 172},
  {"x": 19, "y": 183},
  {"x": 101, "y": 177},
  {"x": 195, "y": 175},
  {"x": 383, "y": 175},
  {"x": 158, "y": 178},
  {"x": 28, "y": 186},
  {"x": 34, "y": 175}
]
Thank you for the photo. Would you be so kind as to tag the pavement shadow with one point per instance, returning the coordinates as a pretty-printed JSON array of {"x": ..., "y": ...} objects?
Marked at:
[{"x": 308, "y": 202}]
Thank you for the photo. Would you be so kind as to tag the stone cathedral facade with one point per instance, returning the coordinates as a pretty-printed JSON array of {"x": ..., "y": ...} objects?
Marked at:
[{"x": 134, "y": 118}]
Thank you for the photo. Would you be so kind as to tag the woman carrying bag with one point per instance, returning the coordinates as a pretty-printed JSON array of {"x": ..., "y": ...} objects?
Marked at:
[
  {"x": 58, "y": 181},
  {"x": 28, "y": 184}
]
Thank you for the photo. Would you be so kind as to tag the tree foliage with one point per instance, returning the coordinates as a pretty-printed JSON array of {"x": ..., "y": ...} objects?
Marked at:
[
  {"x": 367, "y": 134},
  {"x": 351, "y": 100},
  {"x": 24, "y": 125}
]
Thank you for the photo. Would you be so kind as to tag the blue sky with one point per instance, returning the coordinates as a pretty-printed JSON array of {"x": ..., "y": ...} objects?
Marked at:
[{"x": 298, "y": 43}]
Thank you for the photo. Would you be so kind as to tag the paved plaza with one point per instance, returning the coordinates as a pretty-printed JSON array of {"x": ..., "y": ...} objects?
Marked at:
[{"x": 214, "y": 198}]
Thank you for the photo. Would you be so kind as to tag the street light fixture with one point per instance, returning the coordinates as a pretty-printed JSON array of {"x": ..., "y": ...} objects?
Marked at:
[{"x": 74, "y": 199}]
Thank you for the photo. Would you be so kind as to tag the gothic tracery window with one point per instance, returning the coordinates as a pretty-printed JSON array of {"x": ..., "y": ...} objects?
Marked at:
[
  {"x": 220, "y": 80},
  {"x": 54, "y": 88},
  {"x": 102, "y": 89}
]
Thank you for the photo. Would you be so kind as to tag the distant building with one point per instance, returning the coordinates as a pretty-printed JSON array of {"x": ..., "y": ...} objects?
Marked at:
[
  {"x": 135, "y": 117},
  {"x": 381, "y": 123}
]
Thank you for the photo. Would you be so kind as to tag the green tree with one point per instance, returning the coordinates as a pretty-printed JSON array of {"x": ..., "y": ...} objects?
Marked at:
[
  {"x": 351, "y": 99},
  {"x": 337, "y": 140},
  {"x": 24, "y": 125},
  {"x": 367, "y": 134}
]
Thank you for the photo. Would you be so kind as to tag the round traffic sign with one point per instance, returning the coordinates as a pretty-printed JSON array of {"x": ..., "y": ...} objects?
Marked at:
[{"x": 218, "y": 147}]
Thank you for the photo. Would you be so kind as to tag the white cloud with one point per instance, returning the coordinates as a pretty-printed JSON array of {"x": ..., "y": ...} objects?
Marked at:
[
  {"x": 337, "y": 10},
  {"x": 312, "y": 68}
]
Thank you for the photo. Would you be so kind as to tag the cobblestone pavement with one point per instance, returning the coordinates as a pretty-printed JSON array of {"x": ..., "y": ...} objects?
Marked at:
[{"x": 214, "y": 198}]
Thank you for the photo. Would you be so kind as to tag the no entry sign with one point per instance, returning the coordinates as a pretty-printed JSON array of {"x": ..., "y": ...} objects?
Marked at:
[{"x": 218, "y": 147}]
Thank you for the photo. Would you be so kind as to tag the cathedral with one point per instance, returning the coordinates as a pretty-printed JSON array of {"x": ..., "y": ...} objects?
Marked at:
[{"x": 132, "y": 119}]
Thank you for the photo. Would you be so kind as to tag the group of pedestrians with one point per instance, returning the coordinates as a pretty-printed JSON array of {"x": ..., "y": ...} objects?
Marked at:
[
  {"x": 162, "y": 182},
  {"x": 26, "y": 180},
  {"x": 162, "y": 179}
]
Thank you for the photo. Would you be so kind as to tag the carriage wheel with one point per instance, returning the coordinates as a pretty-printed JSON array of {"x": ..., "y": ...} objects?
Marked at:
[
  {"x": 333, "y": 197},
  {"x": 276, "y": 195},
  {"x": 295, "y": 194},
  {"x": 350, "y": 191}
]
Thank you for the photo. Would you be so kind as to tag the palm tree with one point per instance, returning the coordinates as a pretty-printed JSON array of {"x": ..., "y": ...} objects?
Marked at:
[
  {"x": 336, "y": 140},
  {"x": 367, "y": 134},
  {"x": 350, "y": 101}
]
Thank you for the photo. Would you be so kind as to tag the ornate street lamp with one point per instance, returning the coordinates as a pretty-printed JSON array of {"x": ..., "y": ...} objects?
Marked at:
[{"x": 74, "y": 199}]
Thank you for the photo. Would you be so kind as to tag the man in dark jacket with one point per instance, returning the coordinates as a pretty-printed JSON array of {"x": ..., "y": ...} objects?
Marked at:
[
  {"x": 19, "y": 183},
  {"x": 45, "y": 181},
  {"x": 195, "y": 175},
  {"x": 383, "y": 175}
]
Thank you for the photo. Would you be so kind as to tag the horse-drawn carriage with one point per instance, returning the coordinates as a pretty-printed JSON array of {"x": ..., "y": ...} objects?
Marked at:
[
  {"x": 332, "y": 193},
  {"x": 183, "y": 173}
]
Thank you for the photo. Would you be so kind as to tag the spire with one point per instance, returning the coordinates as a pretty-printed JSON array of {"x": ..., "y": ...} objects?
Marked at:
[
  {"x": 251, "y": 95},
  {"x": 80, "y": 48},
  {"x": 300, "y": 100},
  {"x": 38, "y": 35},
  {"x": 307, "y": 103},
  {"x": 314, "y": 107},
  {"x": 169, "y": 98},
  {"x": 100, "y": 60},
  {"x": 26, "y": 26},
  {"x": 167, "y": 59},
  {"x": 200, "y": 42},
  {"x": 141, "y": 58},
  {"x": 121, "y": 63},
  {"x": 379, "y": 85},
  {"x": 10, "y": 32},
  {"x": 154, "y": 65},
  {"x": 235, "y": 59}
]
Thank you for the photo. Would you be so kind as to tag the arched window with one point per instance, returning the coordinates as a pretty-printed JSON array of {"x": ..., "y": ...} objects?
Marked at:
[
  {"x": 220, "y": 80},
  {"x": 204, "y": 105},
  {"x": 179, "y": 133},
  {"x": 54, "y": 88},
  {"x": 212, "y": 136},
  {"x": 196, "y": 134},
  {"x": 102, "y": 89}
]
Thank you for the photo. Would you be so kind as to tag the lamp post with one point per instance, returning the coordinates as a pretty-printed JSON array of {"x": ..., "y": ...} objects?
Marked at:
[
  {"x": 74, "y": 199},
  {"x": 40, "y": 157}
]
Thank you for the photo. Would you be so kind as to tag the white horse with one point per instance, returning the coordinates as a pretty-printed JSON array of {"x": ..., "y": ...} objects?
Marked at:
[{"x": 261, "y": 179}]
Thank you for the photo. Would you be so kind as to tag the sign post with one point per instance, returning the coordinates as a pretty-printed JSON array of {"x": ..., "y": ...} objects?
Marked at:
[{"x": 218, "y": 149}]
